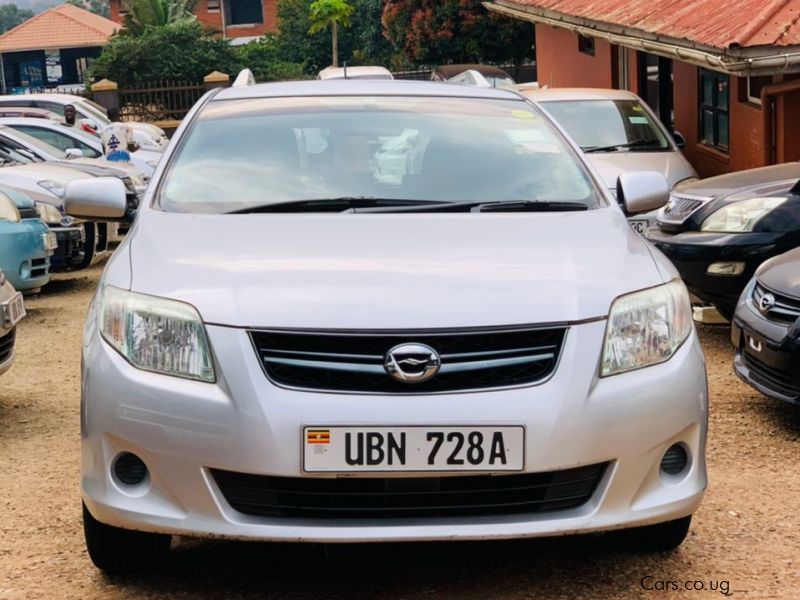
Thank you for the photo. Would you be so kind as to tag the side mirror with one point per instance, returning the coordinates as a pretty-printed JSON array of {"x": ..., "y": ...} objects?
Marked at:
[
  {"x": 680, "y": 141},
  {"x": 74, "y": 153},
  {"x": 99, "y": 198},
  {"x": 642, "y": 191}
]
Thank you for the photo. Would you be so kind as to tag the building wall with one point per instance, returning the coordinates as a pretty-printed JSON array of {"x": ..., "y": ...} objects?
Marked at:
[
  {"x": 559, "y": 64},
  {"x": 213, "y": 19}
]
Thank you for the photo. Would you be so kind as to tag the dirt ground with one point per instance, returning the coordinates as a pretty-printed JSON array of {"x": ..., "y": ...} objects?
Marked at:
[{"x": 745, "y": 537}]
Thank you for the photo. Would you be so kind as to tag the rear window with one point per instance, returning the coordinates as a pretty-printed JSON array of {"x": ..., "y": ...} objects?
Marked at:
[{"x": 242, "y": 153}]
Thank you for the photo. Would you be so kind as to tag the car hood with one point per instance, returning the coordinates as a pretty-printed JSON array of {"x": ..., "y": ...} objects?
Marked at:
[
  {"x": 764, "y": 180},
  {"x": 611, "y": 165},
  {"x": 782, "y": 273},
  {"x": 357, "y": 271}
]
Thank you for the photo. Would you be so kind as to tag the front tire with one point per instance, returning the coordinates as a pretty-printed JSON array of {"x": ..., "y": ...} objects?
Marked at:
[
  {"x": 662, "y": 537},
  {"x": 116, "y": 550}
]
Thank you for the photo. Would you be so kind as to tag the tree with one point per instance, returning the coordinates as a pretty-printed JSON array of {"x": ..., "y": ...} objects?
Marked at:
[
  {"x": 182, "y": 51},
  {"x": 98, "y": 7},
  {"x": 445, "y": 31},
  {"x": 330, "y": 13},
  {"x": 156, "y": 13},
  {"x": 11, "y": 16}
]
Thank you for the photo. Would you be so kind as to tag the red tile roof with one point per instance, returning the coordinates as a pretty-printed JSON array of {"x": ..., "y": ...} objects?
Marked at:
[
  {"x": 714, "y": 23},
  {"x": 63, "y": 26}
]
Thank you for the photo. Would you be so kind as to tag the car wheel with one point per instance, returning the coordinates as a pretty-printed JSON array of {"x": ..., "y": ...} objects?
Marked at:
[
  {"x": 116, "y": 550},
  {"x": 662, "y": 537},
  {"x": 88, "y": 246}
]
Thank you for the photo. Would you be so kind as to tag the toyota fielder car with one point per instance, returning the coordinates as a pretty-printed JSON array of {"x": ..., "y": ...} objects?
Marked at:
[{"x": 479, "y": 349}]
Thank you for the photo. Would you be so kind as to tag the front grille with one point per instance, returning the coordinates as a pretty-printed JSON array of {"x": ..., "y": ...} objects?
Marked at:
[
  {"x": 680, "y": 208},
  {"x": 782, "y": 382},
  {"x": 785, "y": 308},
  {"x": 7, "y": 345},
  {"x": 353, "y": 362},
  {"x": 39, "y": 267},
  {"x": 383, "y": 498}
]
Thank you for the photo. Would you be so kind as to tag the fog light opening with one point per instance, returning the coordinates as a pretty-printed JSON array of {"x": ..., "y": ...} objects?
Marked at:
[
  {"x": 729, "y": 269},
  {"x": 129, "y": 469},
  {"x": 675, "y": 460}
]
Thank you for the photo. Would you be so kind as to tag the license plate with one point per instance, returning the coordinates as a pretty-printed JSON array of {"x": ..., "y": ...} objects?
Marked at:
[
  {"x": 50, "y": 240},
  {"x": 413, "y": 448},
  {"x": 12, "y": 311},
  {"x": 639, "y": 225}
]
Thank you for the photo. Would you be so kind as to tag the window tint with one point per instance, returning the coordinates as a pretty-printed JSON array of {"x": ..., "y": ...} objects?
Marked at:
[
  {"x": 254, "y": 152},
  {"x": 62, "y": 141}
]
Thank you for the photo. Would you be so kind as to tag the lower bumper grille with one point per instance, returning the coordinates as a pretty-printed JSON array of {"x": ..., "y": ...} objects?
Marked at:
[
  {"x": 39, "y": 267},
  {"x": 421, "y": 497},
  {"x": 785, "y": 383},
  {"x": 7, "y": 345}
]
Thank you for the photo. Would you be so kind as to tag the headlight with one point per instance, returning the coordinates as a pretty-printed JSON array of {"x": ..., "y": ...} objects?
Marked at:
[
  {"x": 8, "y": 210},
  {"x": 48, "y": 213},
  {"x": 740, "y": 216},
  {"x": 156, "y": 334},
  {"x": 55, "y": 188},
  {"x": 646, "y": 328}
]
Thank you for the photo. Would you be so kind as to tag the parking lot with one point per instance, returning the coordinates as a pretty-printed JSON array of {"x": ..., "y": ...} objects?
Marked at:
[{"x": 745, "y": 537}]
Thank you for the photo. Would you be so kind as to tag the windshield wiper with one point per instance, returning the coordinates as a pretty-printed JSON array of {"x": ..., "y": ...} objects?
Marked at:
[
  {"x": 481, "y": 206},
  {"x": 633, "y": 144},
  {"x": 341, "y": 204}
]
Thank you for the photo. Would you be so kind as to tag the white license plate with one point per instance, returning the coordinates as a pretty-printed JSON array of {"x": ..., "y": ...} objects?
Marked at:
[
  {"x": 13, "y": 310},
  {"x": 50, "y": 240},
  {"x": 413, "y": 448},
  {"x": 639, "y": 225}
]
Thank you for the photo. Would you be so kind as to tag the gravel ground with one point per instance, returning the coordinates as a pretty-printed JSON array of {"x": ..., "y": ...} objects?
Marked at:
[{"x": 744, "y": 539}]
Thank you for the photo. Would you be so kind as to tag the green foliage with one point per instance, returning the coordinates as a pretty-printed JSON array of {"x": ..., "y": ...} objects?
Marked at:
[
  {"x": 156, "y": 13},
  {"x": 263, "y": 58},
  {"x": 98, "y": 7},
  {"x": 181, "y": 51},
  {"x": 11, "y": 16},
  {"x": 455, "y": 31},
  {"x": 325, "y": 13}
]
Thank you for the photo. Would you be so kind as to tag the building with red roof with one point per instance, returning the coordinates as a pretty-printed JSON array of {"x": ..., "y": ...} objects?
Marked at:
[
  {"x": 725, "y": 74},
  {"x": 52, "y": 48}
]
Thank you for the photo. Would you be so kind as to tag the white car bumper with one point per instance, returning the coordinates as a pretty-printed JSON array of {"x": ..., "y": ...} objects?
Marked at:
[{"x": 182, "y": 429}]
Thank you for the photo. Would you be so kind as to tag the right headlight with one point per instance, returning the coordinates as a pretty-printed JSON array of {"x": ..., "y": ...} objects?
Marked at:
[
  {"x": 48, "y": 213},
  {"x": 646, "y": 328},
  {"x": 8, "y": 210},
  {"x": 740, "y": 217},
  {"x": 156, "y": 334}
]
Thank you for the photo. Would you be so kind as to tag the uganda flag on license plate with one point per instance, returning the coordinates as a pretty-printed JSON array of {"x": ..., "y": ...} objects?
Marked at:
[{"x": 318, "y": 436}]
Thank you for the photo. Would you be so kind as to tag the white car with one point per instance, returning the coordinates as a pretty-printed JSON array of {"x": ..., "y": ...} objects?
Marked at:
[
  {"x": 12, "y": 311},
  {"x": 618, "y": 132},
  {"x": 146, "y": 135},
  {"x": 288, "y": 347},
  {"x": 364, "y": 72},
  {"x": 73, "y": 141}
]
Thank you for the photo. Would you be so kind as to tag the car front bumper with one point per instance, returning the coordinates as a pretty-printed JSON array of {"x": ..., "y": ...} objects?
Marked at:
[
  {"x": 69, "y": 253},
  {"x": 693, "y": 252},
  {"x": 763, "y": 357},
  {"x": 23, "y": 255},
  {"x": 182, "y": 429}
]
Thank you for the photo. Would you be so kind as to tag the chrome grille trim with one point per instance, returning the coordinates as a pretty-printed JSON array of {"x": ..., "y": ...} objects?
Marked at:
[
  {"x": 680, "y": 207},
  {"x": 786, "y": 308}
]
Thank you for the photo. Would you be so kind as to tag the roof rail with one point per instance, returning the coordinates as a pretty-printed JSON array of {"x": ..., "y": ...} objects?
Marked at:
[{"x": 244, "y": 79}]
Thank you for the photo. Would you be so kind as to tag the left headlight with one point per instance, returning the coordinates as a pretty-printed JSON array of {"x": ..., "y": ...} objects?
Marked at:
[
  {"x": 8, "y": 210},
  {"x": 156, "y": 334},
  {"x": 740, "y": 217},
  {"x": 646, "y": 328},
  {"x": 48, "y": 213}
]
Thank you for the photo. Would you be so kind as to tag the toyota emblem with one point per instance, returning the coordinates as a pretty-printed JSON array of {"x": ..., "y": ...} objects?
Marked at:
[
  {"x": 766, "y": 303},
  {"x": 412, "y": 363}
]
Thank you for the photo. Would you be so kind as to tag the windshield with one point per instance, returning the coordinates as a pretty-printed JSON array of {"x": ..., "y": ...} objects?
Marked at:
[
  {"x": 253, "y": 152},
  {"x": 612, "y": 125},
  {"x": 36, "y": 145},
  {"x": 86, "y": 109}
]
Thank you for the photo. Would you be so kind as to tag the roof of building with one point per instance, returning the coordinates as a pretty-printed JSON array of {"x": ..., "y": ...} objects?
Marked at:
[
  {"x": 713, "y": 23},
  {"x": 63, "y": 26}
]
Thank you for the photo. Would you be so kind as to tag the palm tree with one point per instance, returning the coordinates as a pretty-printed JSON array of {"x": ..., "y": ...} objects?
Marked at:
[
  {"x": 156, "y": 13},
  {"x": 324, "y": 13}
]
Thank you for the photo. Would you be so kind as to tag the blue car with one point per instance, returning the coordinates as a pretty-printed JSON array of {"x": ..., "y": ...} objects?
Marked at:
[{"x": 26, "y": 243}]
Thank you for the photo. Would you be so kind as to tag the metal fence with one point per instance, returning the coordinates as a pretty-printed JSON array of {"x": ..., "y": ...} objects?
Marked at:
[
  {"x": 159, "y": 100},
  {"x": 522, "y": 73}
]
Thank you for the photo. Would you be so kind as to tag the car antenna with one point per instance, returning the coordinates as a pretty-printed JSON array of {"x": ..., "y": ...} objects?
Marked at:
[{"x": 345, "y": 69}]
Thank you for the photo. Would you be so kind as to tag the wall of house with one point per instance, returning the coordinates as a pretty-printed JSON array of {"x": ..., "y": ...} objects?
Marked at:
[
  {"x": 559, "y": 64},
  {"x": 787, "y": 126},
  {"x": 213, "y": 19}
]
